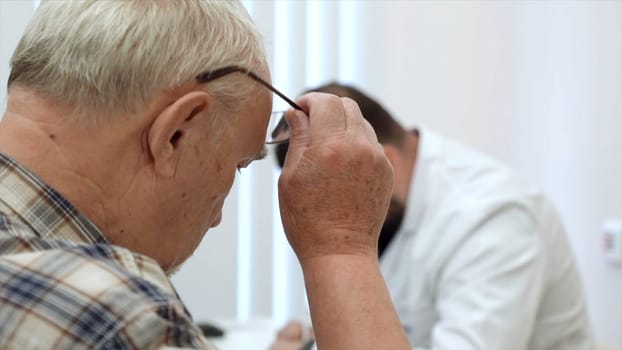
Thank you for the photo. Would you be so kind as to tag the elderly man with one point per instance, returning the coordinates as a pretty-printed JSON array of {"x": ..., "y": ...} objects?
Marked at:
[
  {"x": 473, "y": 258},
  {"x": 125, "y": 124}
]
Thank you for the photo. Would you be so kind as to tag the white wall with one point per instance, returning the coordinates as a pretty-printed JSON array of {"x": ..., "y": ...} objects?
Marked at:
[
  {"x": 536, "y": 84},
  {"x": 14, "y": 15}
]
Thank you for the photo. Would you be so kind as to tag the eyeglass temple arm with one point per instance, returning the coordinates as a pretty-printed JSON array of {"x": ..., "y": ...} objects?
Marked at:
[
  {"x": 273, "y": 89},
  {"x": 205, "y": 77}
]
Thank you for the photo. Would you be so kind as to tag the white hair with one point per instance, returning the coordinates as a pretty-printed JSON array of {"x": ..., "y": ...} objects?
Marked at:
[{"x": 102, "y": 57}]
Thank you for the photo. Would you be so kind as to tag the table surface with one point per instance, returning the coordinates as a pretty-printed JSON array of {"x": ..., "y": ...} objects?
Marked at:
[{"x": 252, "y": 334}]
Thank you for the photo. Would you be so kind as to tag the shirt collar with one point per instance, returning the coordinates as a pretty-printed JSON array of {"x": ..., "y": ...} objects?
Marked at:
[
  {"x": 47, "y": 212},
  {"x": 428, "y": 151}
]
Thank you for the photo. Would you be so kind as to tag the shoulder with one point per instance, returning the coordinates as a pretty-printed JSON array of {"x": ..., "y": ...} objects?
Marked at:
[
  {"x": 461, "y": 183},
  {"x": 84, "y": 295},
  {"x": 471, "y": 198}
]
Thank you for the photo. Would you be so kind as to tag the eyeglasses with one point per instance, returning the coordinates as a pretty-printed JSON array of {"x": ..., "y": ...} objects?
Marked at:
[{"x": 278, "y": 129}]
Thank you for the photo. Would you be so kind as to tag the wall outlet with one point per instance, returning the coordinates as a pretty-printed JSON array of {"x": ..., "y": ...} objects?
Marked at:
[{"x": 612, "y": 241}]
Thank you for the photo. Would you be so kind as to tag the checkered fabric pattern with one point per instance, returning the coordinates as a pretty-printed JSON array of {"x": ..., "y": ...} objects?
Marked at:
[{"x": 63, "y": 286}]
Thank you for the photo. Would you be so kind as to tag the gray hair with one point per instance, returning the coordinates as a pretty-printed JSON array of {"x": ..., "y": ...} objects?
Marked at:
[{"x": 112, "y": 56}]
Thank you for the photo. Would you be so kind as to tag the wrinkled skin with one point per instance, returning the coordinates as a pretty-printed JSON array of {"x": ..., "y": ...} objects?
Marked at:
[{"x": 336, "y": 182}]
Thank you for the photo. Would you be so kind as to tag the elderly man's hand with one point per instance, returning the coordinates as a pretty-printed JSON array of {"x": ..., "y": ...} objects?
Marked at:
[
  {"x": 336, "y": 181},
  {"x": 334, "y": 192}
]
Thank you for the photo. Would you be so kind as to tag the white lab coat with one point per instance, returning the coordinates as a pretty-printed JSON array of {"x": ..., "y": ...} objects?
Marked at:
[{"x": 481, "y": 261}]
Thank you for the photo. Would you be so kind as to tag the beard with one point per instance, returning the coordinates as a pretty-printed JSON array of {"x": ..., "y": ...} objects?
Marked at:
[{"x": 392, "y": 223}]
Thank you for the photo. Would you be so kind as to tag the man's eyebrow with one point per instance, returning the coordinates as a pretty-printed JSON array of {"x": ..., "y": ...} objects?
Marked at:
[{"x": 261, "y": 154}]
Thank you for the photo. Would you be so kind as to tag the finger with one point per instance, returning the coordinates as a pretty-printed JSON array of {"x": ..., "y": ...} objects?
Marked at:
[
  {"x": 356, "y": 121},
  {"x": 299, "y": 125},
  {"x": 326, "y": 112}
]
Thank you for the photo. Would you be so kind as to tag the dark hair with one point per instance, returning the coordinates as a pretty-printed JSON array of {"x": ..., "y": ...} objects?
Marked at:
[{"x": 388, "y": 130}]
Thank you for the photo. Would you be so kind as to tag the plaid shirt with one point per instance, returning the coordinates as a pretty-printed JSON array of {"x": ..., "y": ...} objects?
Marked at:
[{"x": 63, "y": 286}]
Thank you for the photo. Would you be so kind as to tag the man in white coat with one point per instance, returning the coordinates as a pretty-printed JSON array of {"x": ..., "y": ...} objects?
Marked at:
[{"x": 473, "y": 258}]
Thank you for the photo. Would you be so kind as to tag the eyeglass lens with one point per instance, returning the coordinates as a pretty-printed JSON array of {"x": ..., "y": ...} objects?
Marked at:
[{"x": 278, "y": 129}]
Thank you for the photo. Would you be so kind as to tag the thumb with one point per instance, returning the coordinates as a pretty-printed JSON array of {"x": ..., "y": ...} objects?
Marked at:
[{"x": 298, "y": 122}]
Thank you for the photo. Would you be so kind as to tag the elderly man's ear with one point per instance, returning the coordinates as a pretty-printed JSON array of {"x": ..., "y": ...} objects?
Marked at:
[{"x": 173, "y": 126}]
